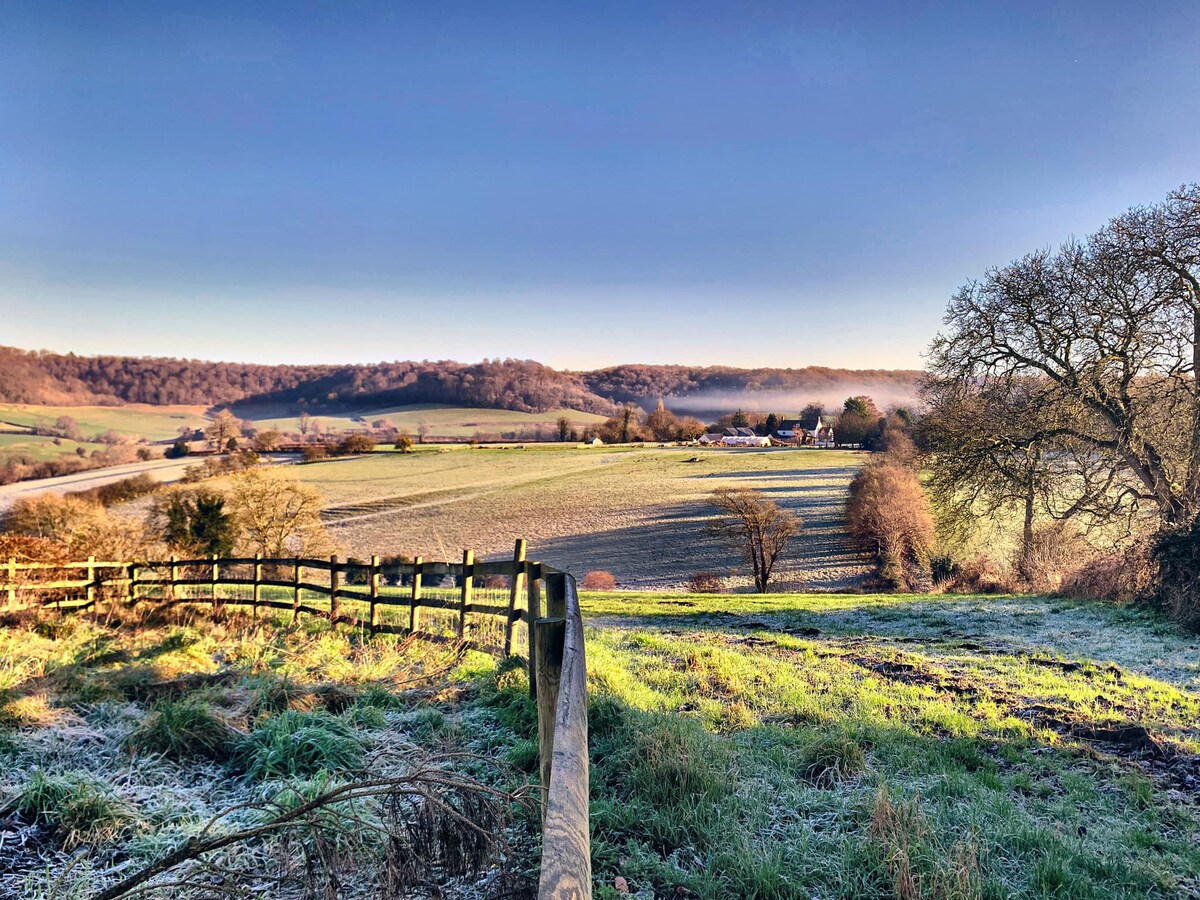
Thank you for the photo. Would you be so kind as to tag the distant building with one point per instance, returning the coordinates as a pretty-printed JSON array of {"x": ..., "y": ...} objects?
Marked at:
[
  {"x": 813, "y": 432},
  {"x": 743, "y": 437}
]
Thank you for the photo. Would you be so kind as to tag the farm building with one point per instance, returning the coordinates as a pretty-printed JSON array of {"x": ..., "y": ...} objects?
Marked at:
[
  {"x": 743, "y": 437},
  {"x": 815, "y": 432}
]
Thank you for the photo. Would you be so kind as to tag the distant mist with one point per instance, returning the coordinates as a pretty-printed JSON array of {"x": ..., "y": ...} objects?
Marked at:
[{"x": 712, "y": 404}]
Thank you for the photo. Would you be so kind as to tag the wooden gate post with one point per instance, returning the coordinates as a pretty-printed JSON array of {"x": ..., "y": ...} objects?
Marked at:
[
  {"x": 468, "y": 590},
  {"x": 335, "y": 605},
  {"x": 414, "y": 615},
  {"x": 12, "y": 583},
  {"x": 514, "y": 588},
  {"x": 374, "y": 593},
  {"x": 216, "y": 574},
  {"x": 174, "y": 571},
  {"x": 551, "y": 635}
]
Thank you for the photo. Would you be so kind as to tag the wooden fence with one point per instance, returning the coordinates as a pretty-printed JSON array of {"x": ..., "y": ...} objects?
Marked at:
[{"x": 365, "y": 595}]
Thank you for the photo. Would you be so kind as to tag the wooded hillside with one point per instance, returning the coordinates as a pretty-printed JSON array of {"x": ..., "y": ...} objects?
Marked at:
[{"x": 524, "y": 385}]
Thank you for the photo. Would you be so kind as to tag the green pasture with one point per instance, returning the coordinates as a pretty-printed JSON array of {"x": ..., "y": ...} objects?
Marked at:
[
  {"x": 40, "y": 448},
  {"x": 157, "y": 423},
  {"x": 442, "y": 420}
]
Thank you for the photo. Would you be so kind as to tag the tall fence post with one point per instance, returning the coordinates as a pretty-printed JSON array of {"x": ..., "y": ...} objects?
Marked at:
[
  {"x": 414, "y": 603},
  {"x": 514, "y": 589},
  {"x": 216, "y": 574},
  {"x": 534, "y": 612},
  {"x": 296, "y": 588},
  {"x": 12, "y": 583},
  {"x": 551, "y": 633},
  {"x": 374, "y": 593},
  {"x": 258, "y": 570},
  {"x": 131, "y": 591},
  {"x": 174, "y": 571},
  {"x": 467, "y": 592},
  {"x": 335, "y": 604}
]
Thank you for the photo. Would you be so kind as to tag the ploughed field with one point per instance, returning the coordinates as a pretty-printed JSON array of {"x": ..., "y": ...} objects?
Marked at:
[
  {"x": 639, "y": 513},
  {"x": 778, "y": 746}
]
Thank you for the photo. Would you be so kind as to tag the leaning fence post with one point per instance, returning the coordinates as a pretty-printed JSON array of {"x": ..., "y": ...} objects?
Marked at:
[
  {"x": 533, "y": 572},
  {"x": 258, "y": 570},
  {"x": 374, "y": 593},
  {"x": 468, "y": 588},
  {"x": 334, "y": 603},
  {"x": 514, "y": 587},
  {"x": 414, "y": 615},
  {"x": 556, "y": 595},
  {"x": 551, "y": 635}
]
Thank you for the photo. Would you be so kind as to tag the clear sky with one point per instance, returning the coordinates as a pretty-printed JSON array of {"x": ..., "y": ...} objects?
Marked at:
[{"x": 582, "y": 183}]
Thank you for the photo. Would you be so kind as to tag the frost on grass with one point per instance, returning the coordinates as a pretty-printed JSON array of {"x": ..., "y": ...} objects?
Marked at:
[{"x": 221, "y": 757}]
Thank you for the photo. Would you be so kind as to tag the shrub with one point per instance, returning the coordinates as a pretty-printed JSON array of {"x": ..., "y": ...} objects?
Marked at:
[
  {"x": 355, "y": 443},
  {"x": 314, "y": 452},
  {"x": 1177, "y": 555},
  {"x": 80, "y": 808},
  {"x": 706, "y": 583},
  {"x": 301, "y": 744},
  {"x": 1120, "y": 576},
  {"x": 889, "y": 514},
  {"x": 183, "y": 729},
  {"x": 599, "y": 581}
]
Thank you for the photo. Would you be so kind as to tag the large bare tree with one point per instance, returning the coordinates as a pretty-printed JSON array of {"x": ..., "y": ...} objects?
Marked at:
[
  {"x": 1108, "y": 328},
  {"x": 756, "y": 526}
]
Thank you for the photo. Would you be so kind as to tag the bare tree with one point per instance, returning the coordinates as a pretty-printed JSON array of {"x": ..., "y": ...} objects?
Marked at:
[
  {"x": 998, "y": 448},
  {"x": 1111, "y": 326},
  {"x": 277, "y": 516},
  {"x": 756, "y": 526}
]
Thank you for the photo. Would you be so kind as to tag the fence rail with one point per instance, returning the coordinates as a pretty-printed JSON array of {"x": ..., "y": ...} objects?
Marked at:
[{"x": 556, "y": 657}]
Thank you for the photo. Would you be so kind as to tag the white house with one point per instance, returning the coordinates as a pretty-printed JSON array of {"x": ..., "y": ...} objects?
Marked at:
[{"x": 814, "y": 432}]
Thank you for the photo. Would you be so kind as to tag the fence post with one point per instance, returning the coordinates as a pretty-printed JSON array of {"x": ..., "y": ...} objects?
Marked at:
[
  {"x": 414, "y": 615},
  {"x": 174, "y": 575},
  {"x": 556, "y": 595},
  {"x": 257, "y": 581},
  {"x": 131, "y": 590},
  {"x": 533, "y": 572},
  {"x": 551, "y": 635},
  {"x": 12, "y": 583},
  {"x": 468, "y": 589},
  {"x": 334, "y": 603},
  {"x": 514, "y": 587},
  {"x": 91, "y": 585},
  {"x": 216, "y": 573},
  {"x": 374, "y": 593},
  {"x": 296, "y": 589}
]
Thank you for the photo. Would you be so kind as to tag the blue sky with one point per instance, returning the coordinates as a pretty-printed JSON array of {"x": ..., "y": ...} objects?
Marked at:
[{"x": 746, "y": 183}]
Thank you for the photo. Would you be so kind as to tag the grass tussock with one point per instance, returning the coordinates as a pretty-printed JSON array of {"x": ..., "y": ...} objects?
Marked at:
[
  {"x": 183, "y": 729},
  {"x": 80, "y": 808},
  {"x": 300, "y": 744}
]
